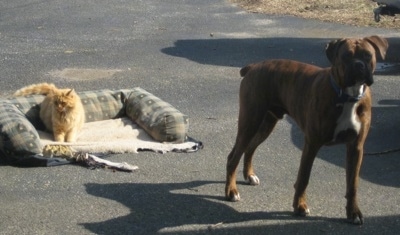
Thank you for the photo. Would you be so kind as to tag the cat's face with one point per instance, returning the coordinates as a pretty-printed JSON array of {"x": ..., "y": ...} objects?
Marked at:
[{"x": 64, "y": 100}]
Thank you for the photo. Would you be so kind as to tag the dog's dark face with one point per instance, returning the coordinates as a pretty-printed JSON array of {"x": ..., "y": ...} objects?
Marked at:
[{"x": 354, "y": 60}]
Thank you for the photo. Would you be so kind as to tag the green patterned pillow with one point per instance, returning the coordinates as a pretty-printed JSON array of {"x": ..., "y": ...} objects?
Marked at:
[
  {"x": 18, "y": 137},
  {"x": 30, "y": 106},
  {"x": 160, "y": 120},
  {"x": 103, "y": 104}
]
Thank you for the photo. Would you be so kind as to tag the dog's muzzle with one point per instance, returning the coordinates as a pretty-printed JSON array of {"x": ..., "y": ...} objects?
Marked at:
[
  {"x": 342, "y": 96},
  {"x": 359, "y": 73}
]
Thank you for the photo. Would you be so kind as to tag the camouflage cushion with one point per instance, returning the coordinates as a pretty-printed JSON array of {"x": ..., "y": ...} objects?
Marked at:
[
  {"x": 18, "y": 137},
  {"x": 103, "y": 104},
  {"x": 30, "y": 106},
  {"x": 160, "y": 120},
  {"x": 19, "y": 118}
]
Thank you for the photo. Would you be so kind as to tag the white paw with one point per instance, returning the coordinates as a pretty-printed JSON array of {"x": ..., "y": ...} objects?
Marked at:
[
  {"x": 235, "y": 197},
  {"x": 253, "y": 180},
  {"x": 307, "y": 212},
  {"x": 357, "y": 221},
  {"x": 301, "y": 212}
]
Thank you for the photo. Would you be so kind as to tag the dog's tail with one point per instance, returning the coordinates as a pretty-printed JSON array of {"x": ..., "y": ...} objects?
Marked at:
[
  {"x": 38, "y": 89},
  {"x": 245, "y": 69}
]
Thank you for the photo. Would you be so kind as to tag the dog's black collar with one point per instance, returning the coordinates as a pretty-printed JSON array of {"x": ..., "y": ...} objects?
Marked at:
[{"x": 343, "y": 97}]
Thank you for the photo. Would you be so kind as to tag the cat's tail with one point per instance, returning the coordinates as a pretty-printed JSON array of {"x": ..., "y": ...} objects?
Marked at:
[{"x": 36, "y": 89}]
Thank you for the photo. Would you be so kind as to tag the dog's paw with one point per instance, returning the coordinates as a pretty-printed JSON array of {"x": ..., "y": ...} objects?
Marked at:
[
  {"x": 356, "y": 219},
  {"x": 253, "y": 180},
  {"x": 233, "y": 197},
  {"x": 232, "y": 194},
  {"x": 354, "y": 215},
  {"x": 302, "y": 212}
]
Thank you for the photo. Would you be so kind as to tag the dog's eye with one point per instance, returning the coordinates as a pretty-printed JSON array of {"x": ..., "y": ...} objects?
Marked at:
[
  {"x": 347, "y": 55},
  {"x": 367, "y": 56}
]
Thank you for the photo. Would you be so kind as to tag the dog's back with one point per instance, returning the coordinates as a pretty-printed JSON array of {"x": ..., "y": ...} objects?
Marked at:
[
  {"x": 279, "y": 78},
  {"x": 280, "y": 65}
]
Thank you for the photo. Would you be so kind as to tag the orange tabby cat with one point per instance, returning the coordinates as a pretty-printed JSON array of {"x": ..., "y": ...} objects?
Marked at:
[{"x": 61, "y": 111}]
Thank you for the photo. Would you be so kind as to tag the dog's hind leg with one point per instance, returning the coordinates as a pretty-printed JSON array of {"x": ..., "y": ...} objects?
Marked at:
[
  {"x": 253, "y": 129},
  {"x": 242, "y": 141},
  {"x": 248, "y": 125},
  {"x": 265, "y": 129}
]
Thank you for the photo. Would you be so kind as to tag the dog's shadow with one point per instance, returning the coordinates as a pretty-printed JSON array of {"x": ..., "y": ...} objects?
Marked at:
[
  {"x": 157, "y": 206},
  {"x": 182, "y": 208},
  {"x": 381, "y": 149}
]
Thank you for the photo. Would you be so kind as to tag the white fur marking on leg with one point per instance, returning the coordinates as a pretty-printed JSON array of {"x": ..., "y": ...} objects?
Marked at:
[
  {"x": 253, "y": 180},
  {"x": 235, "y": 198}
]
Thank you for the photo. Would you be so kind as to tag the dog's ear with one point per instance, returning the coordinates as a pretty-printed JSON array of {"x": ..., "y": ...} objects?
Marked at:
[
  {"x": 332, "y": 49},
  {"x": 245, "y": 69},
  {"x": 380, "y": 44}
]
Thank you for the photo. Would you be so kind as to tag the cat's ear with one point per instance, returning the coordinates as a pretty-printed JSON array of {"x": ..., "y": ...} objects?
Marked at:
[{"x": 70, "y": 91}]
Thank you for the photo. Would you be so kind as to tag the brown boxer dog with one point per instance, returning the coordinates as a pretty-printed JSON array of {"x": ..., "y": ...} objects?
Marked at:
[{"x": 330, "y": 105}]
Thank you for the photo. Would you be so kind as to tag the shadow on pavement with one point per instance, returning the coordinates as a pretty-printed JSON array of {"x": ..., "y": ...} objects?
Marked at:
[
  {"x": 238, "y": 52},
  {"x": 156, "y": 207}
]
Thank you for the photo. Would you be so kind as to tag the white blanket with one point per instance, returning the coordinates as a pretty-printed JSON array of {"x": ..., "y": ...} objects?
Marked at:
[{"x": 118, "y": 136}]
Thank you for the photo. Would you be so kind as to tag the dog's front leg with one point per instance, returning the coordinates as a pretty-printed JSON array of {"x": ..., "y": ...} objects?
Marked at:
[
  {"x": 354, "y": 157},
  {"x": 307, "y": 159},
  {"x": 353, "y": 164}
]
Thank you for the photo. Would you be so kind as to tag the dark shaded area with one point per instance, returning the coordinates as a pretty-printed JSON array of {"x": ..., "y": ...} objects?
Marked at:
[
  {"x": 155, "y": 206},
  {"x": 240, "y": 52},
  {"x": 236, "y": 52},
  {"x": 386, "y": 8}
]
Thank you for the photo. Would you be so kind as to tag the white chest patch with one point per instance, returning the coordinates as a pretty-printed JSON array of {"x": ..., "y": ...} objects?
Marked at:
[{"x": 348, "y": 118}]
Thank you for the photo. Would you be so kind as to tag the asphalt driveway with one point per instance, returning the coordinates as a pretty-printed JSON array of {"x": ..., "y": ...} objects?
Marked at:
[{"x": 189, "y": 53}]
